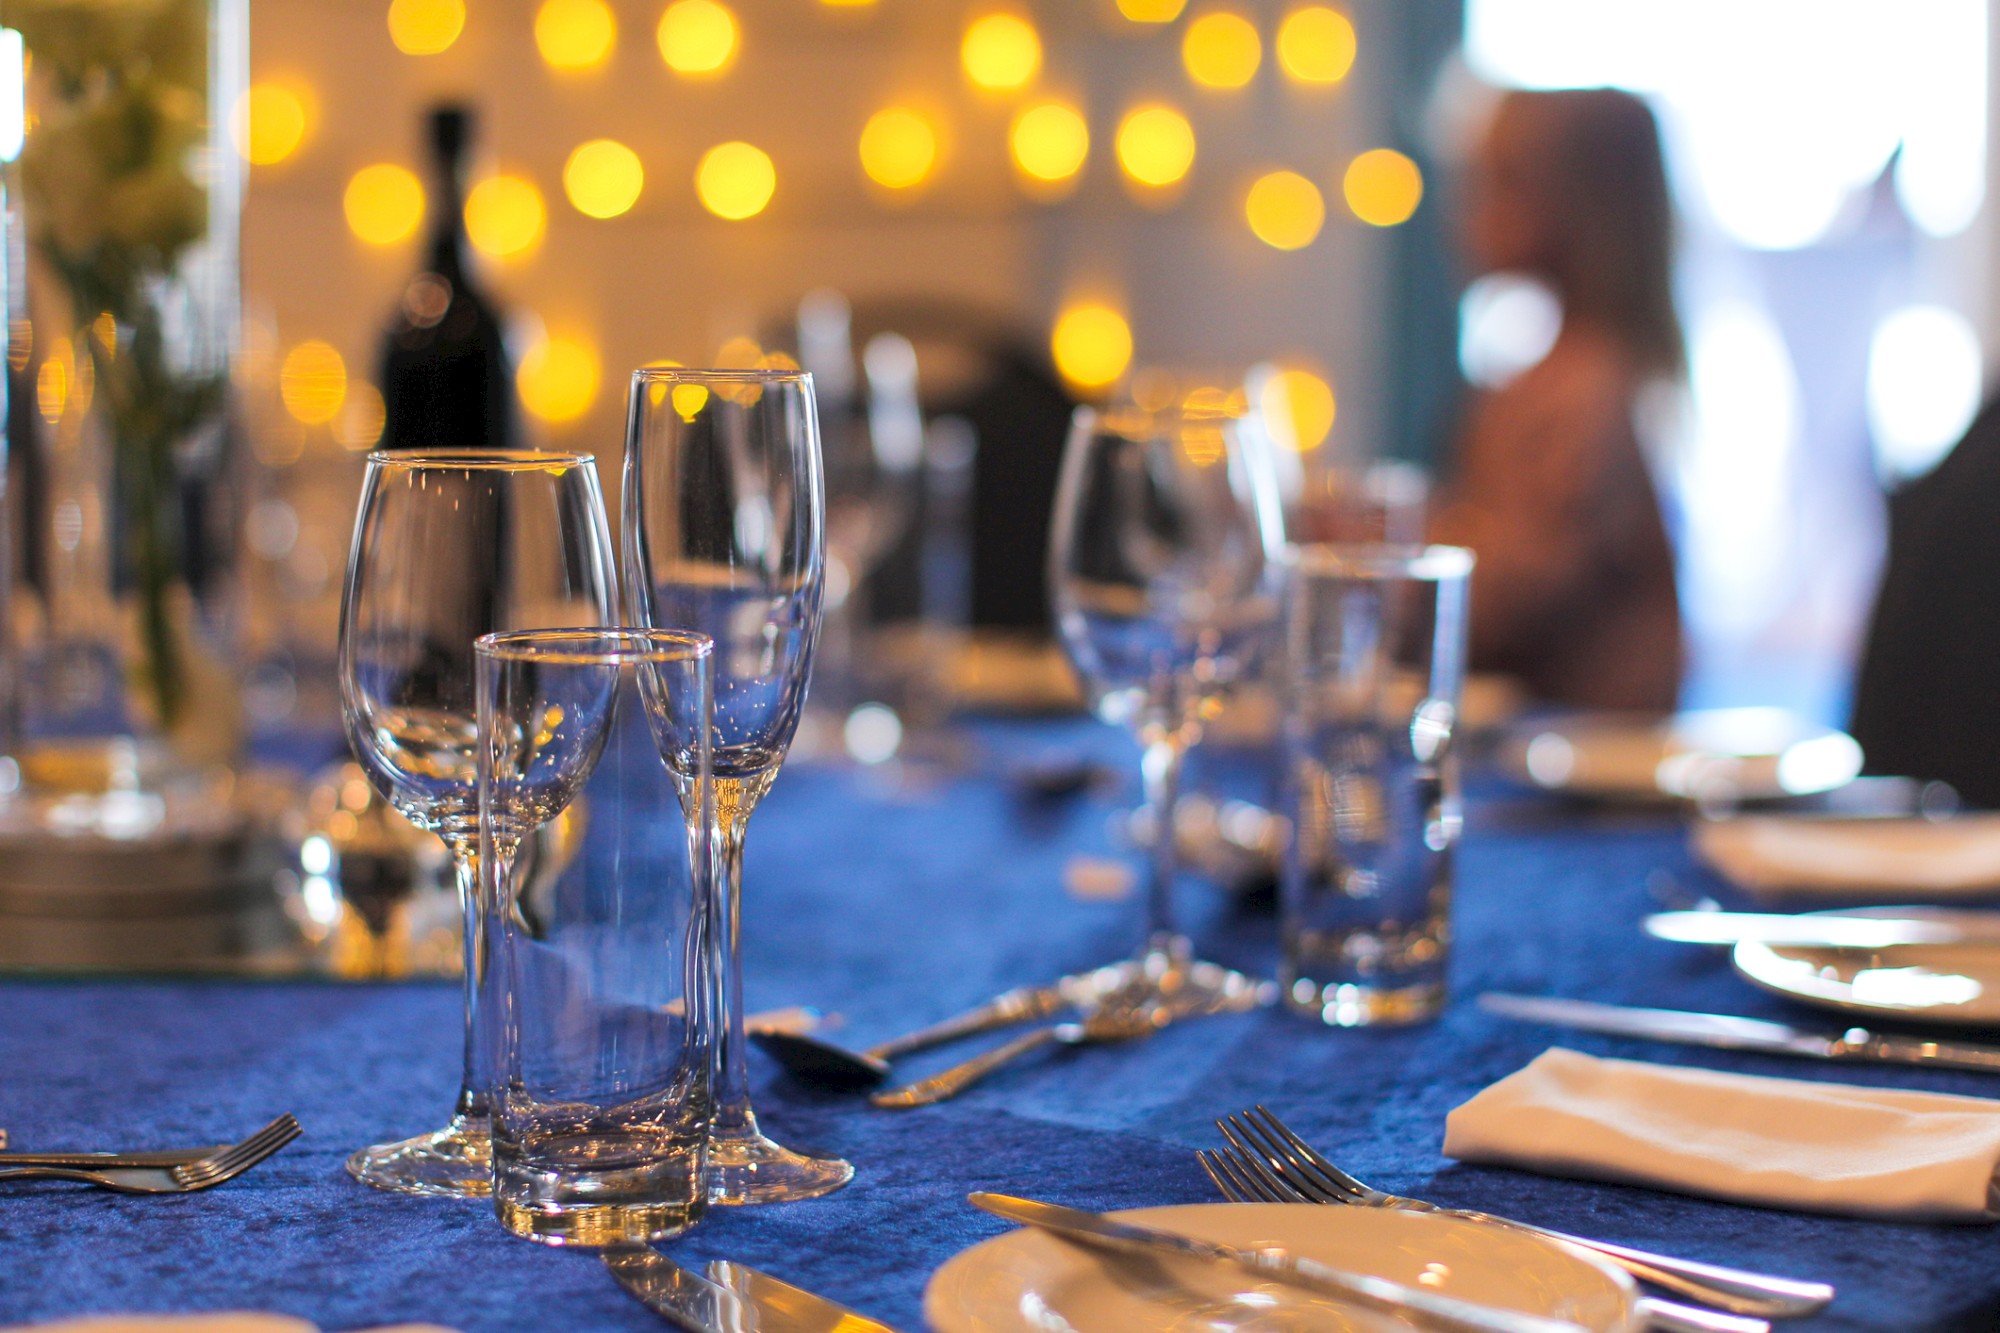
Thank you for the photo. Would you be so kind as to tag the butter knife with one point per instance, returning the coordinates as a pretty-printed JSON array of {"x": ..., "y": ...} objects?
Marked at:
[
  {"x": 1822, "y": 930},
  {"x": 1273, "y": 1264},
  {"x": 1730, "y": 1032},
  {"x": 731, "y": 1298}
]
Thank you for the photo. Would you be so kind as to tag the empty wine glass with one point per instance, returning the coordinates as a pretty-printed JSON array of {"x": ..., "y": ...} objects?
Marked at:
[
  {"x": 1164, "y": 566},
  {"x": 447, "y": 547},
  {"x": 724, "y": 534}
]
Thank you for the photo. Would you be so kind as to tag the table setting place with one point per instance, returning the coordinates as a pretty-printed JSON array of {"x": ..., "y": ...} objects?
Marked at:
[{"x": 1556, "y": 1075}]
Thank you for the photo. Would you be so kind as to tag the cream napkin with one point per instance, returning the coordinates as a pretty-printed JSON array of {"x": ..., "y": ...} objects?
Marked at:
[
  {"x": 1817, "y": 1147},
  {"x": 1770, "y": 854}
]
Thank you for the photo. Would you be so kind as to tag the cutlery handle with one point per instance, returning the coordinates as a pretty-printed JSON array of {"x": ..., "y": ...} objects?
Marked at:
[
  {"x": 1733, "y": 1289},
  {"x": 1670, "y": 1317},
  {"x": 1015, "y": 1006},
  {"x": 959, "y": 1077},
  {"x": 176, "y": 1157}
]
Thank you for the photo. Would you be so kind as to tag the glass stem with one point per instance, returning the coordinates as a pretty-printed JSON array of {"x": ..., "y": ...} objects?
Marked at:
[
  {"x": 472, "y": 1090},
  {"x": 735, "y": 798},
  {"x": 1161, "y": 768}
]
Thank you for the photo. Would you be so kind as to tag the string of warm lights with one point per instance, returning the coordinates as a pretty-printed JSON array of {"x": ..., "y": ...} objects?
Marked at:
[{"x": 900, "y": 148}]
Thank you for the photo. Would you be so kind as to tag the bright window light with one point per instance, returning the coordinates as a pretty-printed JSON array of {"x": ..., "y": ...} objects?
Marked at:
[
  {"x": 1923, "y": 386},
  {"x": 1506, "y": 323}
]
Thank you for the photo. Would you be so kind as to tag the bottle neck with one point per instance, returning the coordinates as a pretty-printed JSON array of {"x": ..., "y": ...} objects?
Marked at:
[{"x": 448, "y": 246}]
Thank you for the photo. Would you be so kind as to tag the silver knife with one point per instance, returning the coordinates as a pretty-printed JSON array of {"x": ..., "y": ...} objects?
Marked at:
[
  {"x": 1375, "y": 1293},
  {"x": 1729, "y": 1032},
  {"x": 1821, "y": 930},
  {"x": 732, "y": 1298}
]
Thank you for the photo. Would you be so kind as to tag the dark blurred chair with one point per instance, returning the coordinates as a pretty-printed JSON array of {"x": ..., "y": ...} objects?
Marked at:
[{"x": 1927, "y": 701}]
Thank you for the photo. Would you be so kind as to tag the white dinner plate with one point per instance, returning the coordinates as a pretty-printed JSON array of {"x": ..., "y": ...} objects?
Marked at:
[
  {"x": 1029, "y": 1282},
  {"x": 1899, "y": 858},
  {"x": 1933, "y": 983},
  {"x": 1728, "y": 754}
]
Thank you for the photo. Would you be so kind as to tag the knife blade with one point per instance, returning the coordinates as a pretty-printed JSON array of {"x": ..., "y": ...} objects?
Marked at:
[
  {"x": 1377, "y": 1293},
  {"x": 1820, "y": 930},
  {"x": 1733, "y": 1033},
  {"x": 731, "y": 1298}
]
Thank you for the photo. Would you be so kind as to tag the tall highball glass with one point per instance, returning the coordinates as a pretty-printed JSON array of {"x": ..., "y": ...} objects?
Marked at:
[
  {"x": 1164, "y": 565},
  {"x": 724, "y": 534},
  {"x": 447, "y": 547},
  {"x": 600, "y": 924}
]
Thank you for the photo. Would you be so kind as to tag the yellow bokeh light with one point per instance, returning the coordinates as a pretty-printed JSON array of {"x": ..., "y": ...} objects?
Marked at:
[
  {"x": 898, "y": 147},
  {"x": 575, "y": 34},
  {"x": 52, "y": 381},
  {"x": 848, "y": 4},
  {"x": 697, "y": 37},
  {"x": 1050, "y": 141},
  {"x": 1285, "y": 210},
  {"x": 558, "y": 379},
  {"x": 505, "y": 216},
  {"x": 313, "y": 382},
  {"x": 1221, "y": 50},
  {"x": 735, "y": 180},
  {"x": 1001, "y": 52},
  {"x": 1092, "y": 345},
  {"x": 268, "y": 123},
  {"x": 359, "y": 425},
  {"x": 689, "y": 399},
  {"x": 1151, "y": 11},
  {"x": 1155, "y": 145},
  {"x": 1299, "y": 408},
  {"x": 603, "y": 178},
  {"x": 425, "y": 27},
  {"x": 384, "y": 203},
  {"x": 1383, "y": 187},
  {"x": 1316, "y": 45}
]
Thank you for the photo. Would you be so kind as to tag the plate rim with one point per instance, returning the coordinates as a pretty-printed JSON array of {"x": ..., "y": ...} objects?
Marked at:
[
  {"x": 934, "y": 1295},
  {"x": 1746, "y": 953}
]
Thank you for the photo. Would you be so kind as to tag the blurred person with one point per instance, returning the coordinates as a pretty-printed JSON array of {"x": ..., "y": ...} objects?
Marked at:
[{"x": 1574, "y": 590}]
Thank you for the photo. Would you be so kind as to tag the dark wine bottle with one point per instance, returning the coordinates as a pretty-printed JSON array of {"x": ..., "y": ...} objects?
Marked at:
[{"x": 447, "y": 382}]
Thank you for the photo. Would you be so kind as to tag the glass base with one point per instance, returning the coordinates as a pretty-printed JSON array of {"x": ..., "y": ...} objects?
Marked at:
[
  {"x": 454, "y": 1162},
  {"x": 1170, "y": 983},
  {"x": 1346, "y": 1004},
  {"x": 746, "y": 1168}
]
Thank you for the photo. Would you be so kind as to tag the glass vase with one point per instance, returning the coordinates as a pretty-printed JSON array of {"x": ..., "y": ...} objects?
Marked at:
[{"x": 123, "y": 305}]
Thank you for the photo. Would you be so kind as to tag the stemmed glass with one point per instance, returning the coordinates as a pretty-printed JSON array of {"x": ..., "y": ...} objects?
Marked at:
[
  {"x": 447, "y": 547},
  {"x": 1164, "y": 565},
  {"x": 724, "y": 534}
]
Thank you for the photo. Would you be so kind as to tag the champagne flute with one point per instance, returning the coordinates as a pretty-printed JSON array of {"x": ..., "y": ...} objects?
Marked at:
[
  {"x": 449, "y": 546},
  {"x": 724, "y": 534},
  {"x": 1164, "y": 566}
]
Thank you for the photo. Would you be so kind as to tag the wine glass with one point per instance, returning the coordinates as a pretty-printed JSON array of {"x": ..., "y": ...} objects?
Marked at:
[
  {"x": 1164, "y": 566},
  {"x": 449, "y": 546},
  {"x": 724, "y": 533}
]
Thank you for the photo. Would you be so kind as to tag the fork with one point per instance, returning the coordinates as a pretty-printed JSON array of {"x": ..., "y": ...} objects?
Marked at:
[
  {"x": 178, "y": 1178},
  {"x": 1268, "y": 1151},
  {"x": 150, "y": 1157}
]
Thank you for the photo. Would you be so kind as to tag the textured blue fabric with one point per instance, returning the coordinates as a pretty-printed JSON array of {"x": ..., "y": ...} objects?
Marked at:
[{"x": 893, "y": 905}]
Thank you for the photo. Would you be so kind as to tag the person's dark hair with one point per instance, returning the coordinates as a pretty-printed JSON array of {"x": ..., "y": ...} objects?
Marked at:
[{"x": 1613, "y": 219}]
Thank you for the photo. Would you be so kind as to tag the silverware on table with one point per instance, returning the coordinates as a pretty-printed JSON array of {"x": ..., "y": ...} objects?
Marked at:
[
  {"x": 1267, "y": 1161},
  {"x": 730, "y": 1298},
  {"x": 1111, "y": 1023},
  {"x": 1271, "y": 1263},
  {"x": 1822, "y": 930},
  {"x": 175, "y": 1178},
  {"x": 1733, "y": 1033},
  {"x": 817, "y": 1060}
]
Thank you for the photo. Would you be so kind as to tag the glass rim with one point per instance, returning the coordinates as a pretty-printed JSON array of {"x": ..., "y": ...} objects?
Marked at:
[
  {"x": 479, "y": 460},
  {"x": 1379, "y": 560},
  {"x": 720, "y": 374},
  {"x": 564, "y": 647}
]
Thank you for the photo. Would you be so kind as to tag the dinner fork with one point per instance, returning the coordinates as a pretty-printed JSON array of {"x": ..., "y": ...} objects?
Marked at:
[
  {"x": 1266, "y": 1150},
  {"x": 178, "y": 1178}
]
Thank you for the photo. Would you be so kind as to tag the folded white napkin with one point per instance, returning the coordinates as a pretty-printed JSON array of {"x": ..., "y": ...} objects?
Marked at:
[
  {"x": 1818, "y": 1147},
  {"x": 1771, "y": 854}
]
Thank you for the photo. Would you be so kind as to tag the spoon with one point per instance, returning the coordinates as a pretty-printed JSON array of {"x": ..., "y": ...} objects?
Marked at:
[{"x": 828, "y": 1064}]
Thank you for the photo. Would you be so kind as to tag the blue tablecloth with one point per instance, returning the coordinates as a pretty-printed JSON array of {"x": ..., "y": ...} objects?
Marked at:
[{"x": 893, "y": 905}]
